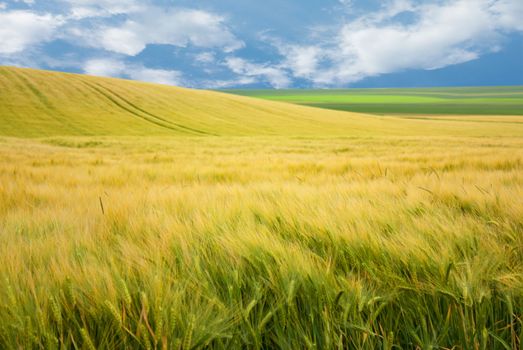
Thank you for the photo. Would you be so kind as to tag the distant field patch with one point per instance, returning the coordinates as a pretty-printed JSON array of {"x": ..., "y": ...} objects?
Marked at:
[
  {"x": 307, "y": 99},
  {"x": 464, "y": 101}
]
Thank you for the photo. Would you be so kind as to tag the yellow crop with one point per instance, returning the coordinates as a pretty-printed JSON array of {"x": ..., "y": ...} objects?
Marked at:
[{"x": 290, "y": 228}]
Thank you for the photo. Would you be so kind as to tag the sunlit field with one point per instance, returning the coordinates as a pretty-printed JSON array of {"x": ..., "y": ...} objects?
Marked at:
[
  {"x": 238, "y": 242},
  {"x": 406, "y": 233}
]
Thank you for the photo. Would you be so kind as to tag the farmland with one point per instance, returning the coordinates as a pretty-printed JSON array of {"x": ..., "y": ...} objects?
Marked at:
[
  {"x": 424, "y": 101},
  {"x": 136, "y": 215}
]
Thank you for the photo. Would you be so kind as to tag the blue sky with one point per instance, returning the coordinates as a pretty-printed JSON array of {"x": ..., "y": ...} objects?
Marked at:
[{"x": 271, "y": 43}]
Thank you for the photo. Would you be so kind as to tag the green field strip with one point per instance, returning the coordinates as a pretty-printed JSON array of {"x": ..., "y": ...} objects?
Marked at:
[{"x": 470, "y": 100}]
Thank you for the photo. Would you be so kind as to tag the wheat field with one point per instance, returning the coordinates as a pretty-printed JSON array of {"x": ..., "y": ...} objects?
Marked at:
[{"x": 336, "y": 237}]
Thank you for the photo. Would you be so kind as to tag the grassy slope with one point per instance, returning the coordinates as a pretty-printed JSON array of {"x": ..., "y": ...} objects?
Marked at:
[
  {"x": 40, "y": 103},
  {"x": 475, "y": 100},
  {"x": 408, "y": 234}
]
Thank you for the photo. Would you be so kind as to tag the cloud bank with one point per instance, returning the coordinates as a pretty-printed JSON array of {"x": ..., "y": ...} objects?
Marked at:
[
  {"x": 401, "y": 35},
  {"x": 438, "y": 34},
  {"x": 20, "y": 30},
  {"x": 116, "y": 68},
  {"x": 178, "y": 27}
]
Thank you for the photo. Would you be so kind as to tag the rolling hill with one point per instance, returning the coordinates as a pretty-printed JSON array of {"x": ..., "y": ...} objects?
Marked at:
[{"x": 36, "y": 103}]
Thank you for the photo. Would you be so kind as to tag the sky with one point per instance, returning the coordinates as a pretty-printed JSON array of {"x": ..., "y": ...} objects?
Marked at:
[{"x": 271, "y": 43}]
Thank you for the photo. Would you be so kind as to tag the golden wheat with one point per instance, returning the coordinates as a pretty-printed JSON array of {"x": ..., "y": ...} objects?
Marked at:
[{"x": 262, "y": 242}]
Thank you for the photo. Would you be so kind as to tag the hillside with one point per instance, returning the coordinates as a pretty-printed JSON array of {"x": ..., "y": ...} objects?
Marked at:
[{"x": 36, "y": 103}]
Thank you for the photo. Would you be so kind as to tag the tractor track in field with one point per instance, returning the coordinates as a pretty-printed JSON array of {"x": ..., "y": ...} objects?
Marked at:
[
  {"x": 138, "y": 112},
  {"x": 154, "y": 115},
  {"x": 49, "y": 108}
]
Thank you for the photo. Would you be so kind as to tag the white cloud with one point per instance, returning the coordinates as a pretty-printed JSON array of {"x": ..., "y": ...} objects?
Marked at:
[
  {"x": 443, "y": 35},
  {"x": 119, "y": 69},
  {"x": 93, "y": 23},
  {"x": 122, "y": 40},
  {"x": 277, "y": 77},
  {"x": 303, "y": 61},
  {"x": 21, "y": 29},
  {"x": 205, "y": 57},
  {"x": 439, "y": 34},
  {"x": 509, "y": 14},
  {"x": 105, "y": 67},
  {"x": 178, "y": 27},
  {"x": 159, "y": 76},
  {"x": 102, "y": 8},
  {"x": 223, "y": 84}
]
